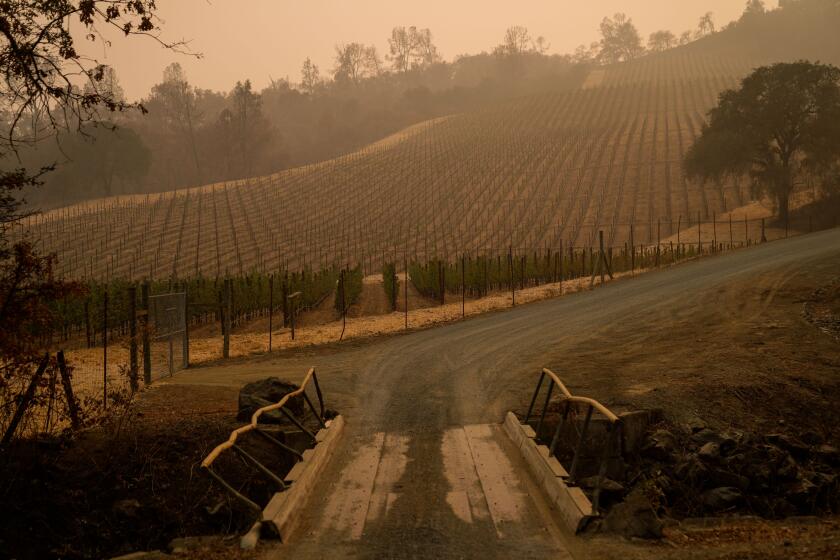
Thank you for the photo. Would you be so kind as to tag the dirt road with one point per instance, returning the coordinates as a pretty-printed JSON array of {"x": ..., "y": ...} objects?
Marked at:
[{"x": 406, "y": 397}]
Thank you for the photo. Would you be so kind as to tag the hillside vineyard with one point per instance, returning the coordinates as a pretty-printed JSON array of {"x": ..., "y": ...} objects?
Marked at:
[{"x": 527, "y": 174}]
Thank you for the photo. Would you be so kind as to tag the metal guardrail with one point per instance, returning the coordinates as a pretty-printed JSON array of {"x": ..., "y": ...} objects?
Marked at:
[
  {"x": 568, "y": 399},
  {"x": 253, "y": 426}
]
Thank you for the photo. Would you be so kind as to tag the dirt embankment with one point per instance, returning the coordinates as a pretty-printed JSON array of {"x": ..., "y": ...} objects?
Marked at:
[{"x": 133, "y": 484}]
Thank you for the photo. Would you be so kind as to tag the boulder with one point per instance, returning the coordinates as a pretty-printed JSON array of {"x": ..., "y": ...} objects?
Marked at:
[
  {"x": 709, "y": 451},
  {"x": 661, "y": 445},
  {"x": 721, "y": 498},
  {"x": 264, "y": 392},
  {"x": 789, "y": 444},
  {"x": 608, "y": 485},
  {"x": 634, "y": 517},
  {"x": 828, "y": 454}
]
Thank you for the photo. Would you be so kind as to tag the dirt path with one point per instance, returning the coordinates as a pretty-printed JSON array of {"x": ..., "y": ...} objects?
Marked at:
[{"x": 721, "y": 338}]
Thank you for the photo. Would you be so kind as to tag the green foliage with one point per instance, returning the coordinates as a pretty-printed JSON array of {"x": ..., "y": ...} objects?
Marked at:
[
  {"x": 783, "y": 122},
  {"x": 391, "y": 284}
]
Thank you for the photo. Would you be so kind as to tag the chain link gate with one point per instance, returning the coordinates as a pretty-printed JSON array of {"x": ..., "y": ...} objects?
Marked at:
[{"x": 169, "y": 337}]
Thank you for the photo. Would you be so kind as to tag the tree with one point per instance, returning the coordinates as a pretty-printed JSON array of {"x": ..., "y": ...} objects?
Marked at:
[
  {"x": 620, "y": 40},
  {"x": 782, "y": 123},
  {"x": 686, "y": 37},
  {"x": 46, "y": 86},
  {"x": 176, "y": 100},
  {"x": 411, "y": 48},
  {"x": 754, "y": 8},
  {"x": 661, "y": 41},
  {"x": 108, "y": 86},
  {"x": 250, "y": 130},
  {"x": 586, "y": 55},
  {"x": 310, "y": 77},
  {"x": 517, "y": 41},
  {"x": 96, "y": 159},
  {"x": 354, "y": 62},
  {"x": 706, "y": 25}
]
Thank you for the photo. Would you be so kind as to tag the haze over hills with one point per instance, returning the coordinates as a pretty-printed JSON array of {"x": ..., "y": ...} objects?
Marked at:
[{"x": 529, "y": 173}]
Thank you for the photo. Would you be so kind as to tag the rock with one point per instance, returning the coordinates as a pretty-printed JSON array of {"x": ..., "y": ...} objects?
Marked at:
[
  {"x": 812, "y": 438},
  {"x": 706, "y": 435},
  {"x": 695, "y": 424},
  {"x": 258, "y": 394},
  {"x": 691, "y": 469},
  {"x": 709, "y": 451},
  {"x": 661, "y": 445},
  {"x": 827, "y": 453},
  {"x": 607, "y": 485},
  {"x": 721, "y": 477},
  {"x": 634, "y": 517},
  {"x": 789, "y": 444},
  {"x": 800, "y": 491},
  {"x": 787, "y": 469},
  {"x": 721, "y": 498},
  {"x": 126, "y": 508}
]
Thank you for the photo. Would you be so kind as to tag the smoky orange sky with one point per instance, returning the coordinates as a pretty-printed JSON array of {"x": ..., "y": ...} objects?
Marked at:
[{"x": 264, "y": 39}]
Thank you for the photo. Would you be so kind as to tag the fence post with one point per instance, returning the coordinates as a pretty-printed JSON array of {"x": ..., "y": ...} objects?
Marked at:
[
  {"x": 132, "y": 333},
  {"x": 632, "y": 252},
  {"x": 714, "y": 232},
  {"x": 105, "y": 351},
  {"x": 186, "y": 337},
  {"x": 87, "y": 322},
  {"x": 561, "y": 275},
  {"x": 405, "y": 265},
  {"x": 512, "y": 283},
  {"x": 72, "y": 405},
  {"x": 463, "y": 286},
  {"x": 147, "y": 346},
  {"x": 763, "y": 236},
  {"x": 227, "y": 319},
  {"x": 270, "y": 309},
  {"x": 699, "y": 236},
  {"x": 26, "y": 400}
]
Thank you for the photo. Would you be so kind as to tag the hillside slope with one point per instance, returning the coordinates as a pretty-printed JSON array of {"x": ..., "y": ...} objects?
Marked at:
[{"x": 529, "y": 173}]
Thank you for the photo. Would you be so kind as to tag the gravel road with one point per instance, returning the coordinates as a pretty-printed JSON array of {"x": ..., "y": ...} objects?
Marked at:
[{"x": 405, "y": 397}]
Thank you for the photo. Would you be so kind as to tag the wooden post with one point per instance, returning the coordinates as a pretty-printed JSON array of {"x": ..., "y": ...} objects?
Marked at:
[
  {"x": 228, "y": 309},
  {"x": 26, "y": 400},
  {"x": 731, "y": 236},
  {"x": 763, "y": 236},
  {"x": 561, "y": 267},
  {"x": 72, "y": 405},
  {"x": 699, "y": 235},
  {"x": 510, "y": 273},
  {"x": 132, "y": 343},
  {"x": 105, "y": 351},
  {"x": 270, "y": 310},
  {"x": 679, "y": 225},
  {"x": 405, "y": 265},
  {"x": 185, "y": 341},
  {"x": 87, "y": 322},
  {"x": 147, "y": 345},
  {"x": 632, "y": 252},
  {"x": 746, "y": 231},
  {"x": 658, "y": 241},
  {"x": 463, "y": 286},
  {"x": 342, "y": 292},
  {"x": 714, "y": 232},
  {"x": 603, "y": 257}
]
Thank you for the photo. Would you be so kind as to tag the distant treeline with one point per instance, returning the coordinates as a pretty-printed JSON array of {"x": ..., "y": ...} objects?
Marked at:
[{"x": 190, "y": 136}]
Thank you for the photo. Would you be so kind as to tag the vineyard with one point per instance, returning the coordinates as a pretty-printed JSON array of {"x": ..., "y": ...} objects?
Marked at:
[{"x": 529, "y": 174}]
